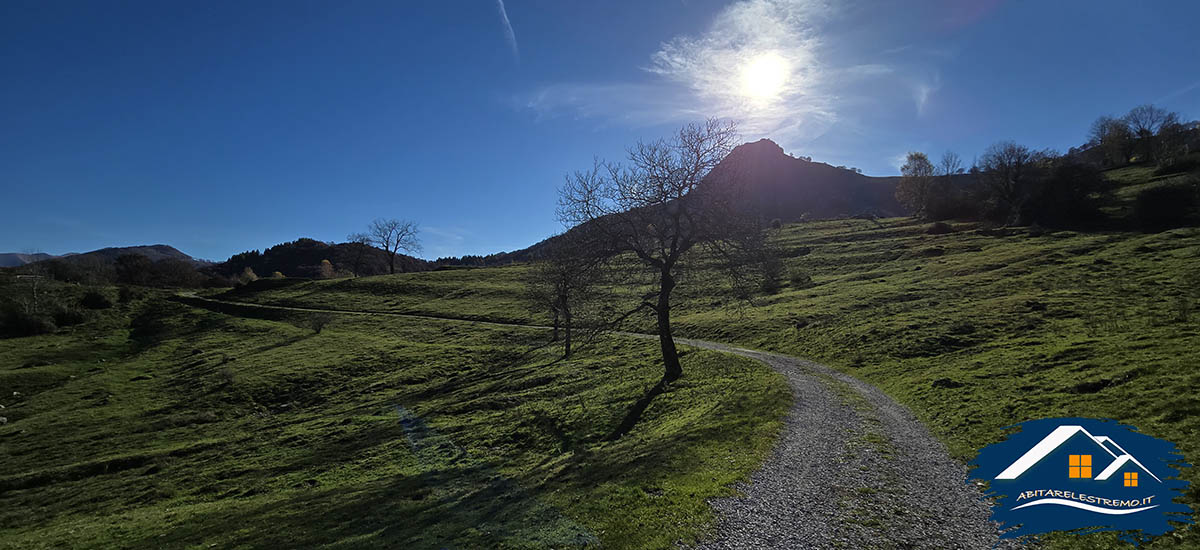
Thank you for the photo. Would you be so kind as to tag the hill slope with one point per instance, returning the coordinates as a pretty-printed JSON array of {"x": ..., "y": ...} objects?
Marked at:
[
  {"x": 786, "y": 187},
  {"x": 974, "y": 330}
]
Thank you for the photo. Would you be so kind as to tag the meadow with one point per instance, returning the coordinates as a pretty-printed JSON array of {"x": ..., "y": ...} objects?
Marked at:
[
  {"x": 159, "y": 425},
  {"x": 974, "y": 329}
]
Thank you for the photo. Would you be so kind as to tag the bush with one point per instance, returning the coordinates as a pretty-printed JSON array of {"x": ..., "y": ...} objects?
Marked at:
[
  {"x": 1179, "y": 165},
  {"x": 248, "y": 276},
  {"x": 772, "y": 272},
  {"x": 68, "y": 316},
  {"x": 799, "y": 278},
  {"x": 939, "y": 228},
  {"x": 16, "y": 322},
  {"x": 127, "y": 294},
  {"x": 277, "y": 275},
  {"x": 1165, "y": 206},
  {"x": 318, "y": 321},
  {"x": 1065, "y": 196},
  {"x": 776, "y": 223},
  {"x": 94, "y": 299}
]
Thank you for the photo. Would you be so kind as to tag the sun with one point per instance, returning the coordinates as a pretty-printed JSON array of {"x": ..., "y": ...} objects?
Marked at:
[{"x": 765, "y": 76}]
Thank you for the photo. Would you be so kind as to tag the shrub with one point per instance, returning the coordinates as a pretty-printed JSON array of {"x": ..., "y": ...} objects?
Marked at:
[
  {"x": 1065, "y": 196},
  {"x": 248, "y": 276},
  {"x": 94, "y": 299},
  {"x": 14, "y": 321},
  {"x": 1165, "y": 206},
  {"x": 799, "y": 278},
  {"x": 277, "y": 275},
  {"x": 127, "y": 294},
  {"x": 776, "y": 223},
  {"x": 68, "y": 316},
  {"x": 325, "y": 270},
  {"x": 1178, "y": 165},
  {"x": 772, "y": 272},
  {"x": 939, "y": 228},
  {"x": 318, "y": 321}
]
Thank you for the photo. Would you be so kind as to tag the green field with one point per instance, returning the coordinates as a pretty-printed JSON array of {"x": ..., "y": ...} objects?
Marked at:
[
  {"x": 159, "y": 425},
  {"x": 974, "y": 330},
  {"x": 156, "y": 424}
]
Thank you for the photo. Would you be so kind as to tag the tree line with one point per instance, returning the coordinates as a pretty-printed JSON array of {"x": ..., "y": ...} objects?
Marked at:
[{"x": 1013, "y": 184}]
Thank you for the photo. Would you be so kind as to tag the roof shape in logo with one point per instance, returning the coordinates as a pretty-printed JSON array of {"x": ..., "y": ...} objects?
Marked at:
[{"x": 1059, "y": 436}]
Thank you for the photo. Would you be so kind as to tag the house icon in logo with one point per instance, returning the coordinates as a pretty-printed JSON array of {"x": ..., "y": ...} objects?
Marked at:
[
  {"x": 1083, "y": 452},
  {"x": 1063, "y": 474}
]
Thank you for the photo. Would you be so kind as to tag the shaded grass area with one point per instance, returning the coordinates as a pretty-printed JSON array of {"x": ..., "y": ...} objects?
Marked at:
[
  {"x": 974, "y": 330},
  {"x": 167, "y": 426}
]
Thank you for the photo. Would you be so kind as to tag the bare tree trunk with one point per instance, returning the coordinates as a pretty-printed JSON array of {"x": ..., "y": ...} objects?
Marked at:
[
  {"x": 555, "y": 312},
  {"x": 566, "y": 333},
  {"x": 358, "y": 259},
  {"x": 392, "y": 264},
  {"x": 672, "y": 371}
]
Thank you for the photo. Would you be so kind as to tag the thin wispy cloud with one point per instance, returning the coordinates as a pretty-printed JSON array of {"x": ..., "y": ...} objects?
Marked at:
[
  {"x": 508, "y": 31},
  {"x": 714, "y": 66},
  {"x": 1180, "y": 92},
  {"x": 784, "y": 69},
  {"x": 707, "y": 74},
  {"x": 923, "y": 90}
]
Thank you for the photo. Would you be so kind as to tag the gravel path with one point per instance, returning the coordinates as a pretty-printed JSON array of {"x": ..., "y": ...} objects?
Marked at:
[{"x": 852, "y": 469}]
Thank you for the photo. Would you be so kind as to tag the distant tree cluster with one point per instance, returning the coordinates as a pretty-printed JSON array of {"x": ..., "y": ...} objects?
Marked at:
[
  {"x": 1145, "y": 134},
  {"x": 306, "y": 258},
  {"x": 1015, "y": 185}
]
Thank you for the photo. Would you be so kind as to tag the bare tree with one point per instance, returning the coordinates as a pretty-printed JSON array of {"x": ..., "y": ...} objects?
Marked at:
[
  {"x": 915, "y": 190},
  {"x": 564, "y": 282},
  {"x": 1114, "y": 138},
  {"x": 1147, "y": 123},
  {"x": 660, "y": 206},
  {"x": 359, "y": 243},
  {"x": 394, "y": 235},
  {"x": 951, "y": 165},
  {"x": 1010, "y": 174}
]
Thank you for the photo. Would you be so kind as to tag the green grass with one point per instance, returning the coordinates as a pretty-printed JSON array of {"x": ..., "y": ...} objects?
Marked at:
[
  {"x": 164, "y": 426},
  {"x": 974, "y": 330}
]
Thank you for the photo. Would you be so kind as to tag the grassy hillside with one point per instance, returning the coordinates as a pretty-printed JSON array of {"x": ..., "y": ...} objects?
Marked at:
[
  {"x": 975, "y": 330},
  {"x": 158, "y": 425}
]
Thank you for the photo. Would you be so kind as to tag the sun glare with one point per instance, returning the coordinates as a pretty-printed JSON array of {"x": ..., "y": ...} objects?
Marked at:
[{"x": 765, "y": 76}]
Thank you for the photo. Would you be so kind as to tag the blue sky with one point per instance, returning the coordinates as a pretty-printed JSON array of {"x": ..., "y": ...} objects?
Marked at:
[{"x": 218, "y": 127}]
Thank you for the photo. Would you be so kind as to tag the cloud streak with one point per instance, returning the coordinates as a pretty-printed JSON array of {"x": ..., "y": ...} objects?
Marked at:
[
  {"x": 508, "y": 31},
  {"x": 834, "y": 91}
]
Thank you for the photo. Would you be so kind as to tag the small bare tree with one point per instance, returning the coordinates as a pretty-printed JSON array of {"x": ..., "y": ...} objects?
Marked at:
[
  {"x": 659, "y": 207},
  {"x": 1148, "y": 123},
  {"x": 394, "y": 235},
  {"x": 950, "y": 166},
  {"x": 564, "y": 282},
  {"x": 1114, "y": 138},
  {"x": 359, "y": 243},
  {"x": 1011, "y": 173}
]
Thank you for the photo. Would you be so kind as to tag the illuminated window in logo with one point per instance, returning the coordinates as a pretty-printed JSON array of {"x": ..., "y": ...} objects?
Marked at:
[
  {"x": 1080, "y": 467},
  {"x": 1131, "y": 479}
]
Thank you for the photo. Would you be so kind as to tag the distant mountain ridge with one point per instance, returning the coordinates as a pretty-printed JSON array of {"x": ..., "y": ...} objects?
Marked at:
[
  {"x": 154, "y": 252},
  {"x": 15, "y": 259},
  {"x": 781, "y": 186}
]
